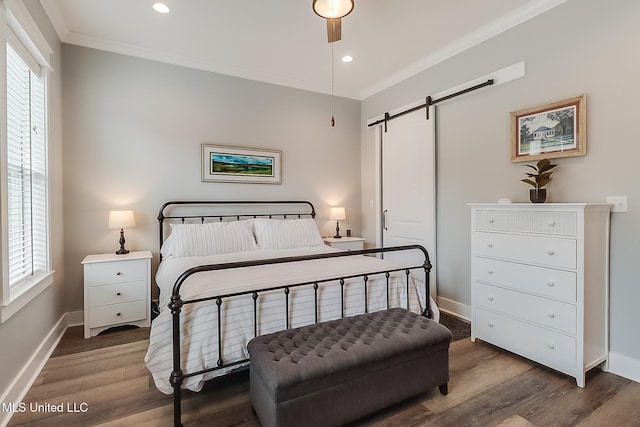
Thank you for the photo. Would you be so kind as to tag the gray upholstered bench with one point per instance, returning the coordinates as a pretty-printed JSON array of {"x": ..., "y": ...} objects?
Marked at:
[{"x": 334, "y": 372}]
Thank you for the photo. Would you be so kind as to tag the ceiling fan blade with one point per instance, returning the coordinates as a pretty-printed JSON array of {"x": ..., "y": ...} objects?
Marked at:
[{"x": 334, "y": 29}]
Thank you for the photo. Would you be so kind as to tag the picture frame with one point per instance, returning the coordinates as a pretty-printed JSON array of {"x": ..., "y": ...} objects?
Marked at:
[
  {"x": 222, "y": 163},
  {"x": 550, "y": 131}
]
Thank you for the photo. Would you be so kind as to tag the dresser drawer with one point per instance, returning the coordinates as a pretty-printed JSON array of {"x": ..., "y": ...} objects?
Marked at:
[
  {"x": 546, "y": 251},
  {"x": 117, "y": 293},
  {"x": 549, "y": 313},
  {"x": 543, "y": 281},
  {"x": 560, "y": 223},
  {"x": 115, "y": 272},
  {"x": 550, "y": 348},
  {"x": 117, "y": 313}
]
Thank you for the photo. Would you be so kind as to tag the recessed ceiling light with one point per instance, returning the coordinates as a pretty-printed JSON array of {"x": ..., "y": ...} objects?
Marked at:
[
  {"x": 347, "y": 58},
  {"x": 161, "y": 8}
]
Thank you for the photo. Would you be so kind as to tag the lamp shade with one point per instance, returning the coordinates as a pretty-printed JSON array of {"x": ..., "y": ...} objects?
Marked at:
[
  {"x": 332, "y": 9},
  {"x": 337, "y": 213},
  {"x": 121, "y": 218}
]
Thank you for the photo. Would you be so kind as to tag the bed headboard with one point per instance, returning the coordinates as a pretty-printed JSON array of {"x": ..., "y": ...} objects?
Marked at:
[{"x": 230, "y": 210}]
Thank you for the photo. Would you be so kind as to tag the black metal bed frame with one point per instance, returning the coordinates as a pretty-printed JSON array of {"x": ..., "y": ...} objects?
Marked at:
[{"x": 176, "y": 303}]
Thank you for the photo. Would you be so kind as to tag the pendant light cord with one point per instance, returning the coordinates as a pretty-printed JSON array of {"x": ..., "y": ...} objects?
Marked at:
[{"x": 333, "y": 120}]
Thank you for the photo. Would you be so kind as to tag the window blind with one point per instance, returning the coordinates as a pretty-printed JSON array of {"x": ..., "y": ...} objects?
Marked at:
[{"x": 26, "y": 170}]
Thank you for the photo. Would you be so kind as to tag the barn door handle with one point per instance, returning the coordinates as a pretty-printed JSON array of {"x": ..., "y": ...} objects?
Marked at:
[{"x": 384, "y": 219}]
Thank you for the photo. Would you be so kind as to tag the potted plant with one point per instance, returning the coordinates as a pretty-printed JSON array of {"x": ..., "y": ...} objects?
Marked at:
[{"x": 541, "y": 177}]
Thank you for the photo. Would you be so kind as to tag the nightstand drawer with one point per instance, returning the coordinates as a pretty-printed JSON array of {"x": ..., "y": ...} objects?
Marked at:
[
  {"x": 117, "y": 293},
  {"x": 543, "y": 281},
  {"x": 544, "y": 311},
  {"x": 115, "y": 272},
  {"x": 547, "y": 251},
  {"x": 562, "y": 223},
  {"x": 117, "y": 313}
]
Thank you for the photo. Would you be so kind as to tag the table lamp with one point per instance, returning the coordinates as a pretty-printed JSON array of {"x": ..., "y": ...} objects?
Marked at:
[
  {"x": 121, "y": 218},
  {"x": 337, "y": 213}
]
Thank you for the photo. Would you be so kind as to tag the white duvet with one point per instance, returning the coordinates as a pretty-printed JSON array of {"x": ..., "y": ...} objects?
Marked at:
[{"x": 199, "y": 322}]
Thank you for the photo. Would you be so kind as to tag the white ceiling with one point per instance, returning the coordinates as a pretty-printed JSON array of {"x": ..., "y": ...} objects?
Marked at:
[{"x": 284, "y": 42}]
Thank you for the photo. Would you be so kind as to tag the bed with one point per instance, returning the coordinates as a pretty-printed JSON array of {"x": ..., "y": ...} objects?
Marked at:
[{"x": 253, "y": 268}]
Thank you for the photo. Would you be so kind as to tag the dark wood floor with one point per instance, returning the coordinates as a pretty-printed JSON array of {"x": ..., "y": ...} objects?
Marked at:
[{"x": 106, "y": 378}]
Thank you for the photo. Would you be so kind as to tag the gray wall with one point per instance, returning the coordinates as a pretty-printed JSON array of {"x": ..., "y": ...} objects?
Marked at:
[
  {"x": 585, "y": 46},
  {"x": 133, "y": 130},
  {"x": 23, "y": 333}
]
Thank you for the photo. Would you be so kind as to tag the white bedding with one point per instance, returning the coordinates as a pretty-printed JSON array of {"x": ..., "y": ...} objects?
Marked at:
[{"x": 199, "y": 321}]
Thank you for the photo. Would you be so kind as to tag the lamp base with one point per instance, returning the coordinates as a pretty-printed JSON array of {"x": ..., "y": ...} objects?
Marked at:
[
  {"x": 122, "y": 250},
  {"x": 337, "y": 236}
]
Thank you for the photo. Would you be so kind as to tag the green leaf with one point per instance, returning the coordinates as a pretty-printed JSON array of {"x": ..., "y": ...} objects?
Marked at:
[{"x": 528, "y": 181}]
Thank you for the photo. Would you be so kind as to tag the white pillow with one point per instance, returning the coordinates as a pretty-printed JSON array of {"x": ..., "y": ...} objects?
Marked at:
[
  {"x": 211, "y": 238},
  {"x": 286, "y": 233}
]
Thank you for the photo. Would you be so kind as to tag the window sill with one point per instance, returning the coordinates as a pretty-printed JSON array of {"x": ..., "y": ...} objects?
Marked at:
[{"x": 24, "y": 296}]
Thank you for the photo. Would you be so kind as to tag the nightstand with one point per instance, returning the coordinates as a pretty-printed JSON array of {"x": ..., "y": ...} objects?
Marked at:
[
  {"x": 346, "y": 243},
  {"x": 117, "y": 291}
]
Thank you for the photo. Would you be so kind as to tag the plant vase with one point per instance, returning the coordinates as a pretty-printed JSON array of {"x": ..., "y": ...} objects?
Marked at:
[{"x": 538, "y": 195}]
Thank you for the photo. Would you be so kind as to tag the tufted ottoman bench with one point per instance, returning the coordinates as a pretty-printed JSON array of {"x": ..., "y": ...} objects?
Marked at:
[{"x": 334, "y": 372}]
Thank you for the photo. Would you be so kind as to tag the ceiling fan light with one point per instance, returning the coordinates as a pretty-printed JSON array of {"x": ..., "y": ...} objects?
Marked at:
[{"x": 332, "y": 9}]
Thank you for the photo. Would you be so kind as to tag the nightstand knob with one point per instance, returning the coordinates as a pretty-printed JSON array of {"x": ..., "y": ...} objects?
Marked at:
[
  {"x": 551, "y": 284},
  {"x": 490, "y": 324},
  {"x": 118, "y": 293},
  {"x": 551, "y": 346},
  {"x": 118, "y": 274},
  {"x": 489, "y": 245},
  {"x": 490, "y": 298},
  {"x": 552, "y": 223},
  {"x": 550, "y": 251},
  {"x": 489, "y": 271},
  {"x": 490, "y": 220},
  {"x": 551, "y": 315},
  {"x": 118, "y": 314}
]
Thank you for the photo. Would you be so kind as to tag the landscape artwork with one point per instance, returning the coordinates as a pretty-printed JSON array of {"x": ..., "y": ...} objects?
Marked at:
[
  {"x": 236, "y": 164},
  {"x": 553, "y": 130}
]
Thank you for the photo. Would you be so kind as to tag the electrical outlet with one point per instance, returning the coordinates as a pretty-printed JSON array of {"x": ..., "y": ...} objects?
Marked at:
[{"x": 619, "y": 203}]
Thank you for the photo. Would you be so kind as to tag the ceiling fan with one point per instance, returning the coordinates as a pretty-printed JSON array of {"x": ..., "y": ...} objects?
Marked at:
[{"x": 333, "y": 11}]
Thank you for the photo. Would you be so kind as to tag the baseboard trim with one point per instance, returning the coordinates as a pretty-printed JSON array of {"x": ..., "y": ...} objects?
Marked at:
[
  {"x": 624, "y": 366},
  {"x": 24, "y": 380},
  {"x": 462, "y": 311}
]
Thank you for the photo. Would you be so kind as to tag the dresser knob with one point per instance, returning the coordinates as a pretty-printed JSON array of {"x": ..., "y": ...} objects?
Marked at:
[
  {"x": 118, "y": 293},
  {"x": 118, "y": 314},
  {"x": 490, "y": 324},
  {"x": 551, "y": 345},
  {"x": 490, "y": 220},
  {"x": 551, "y": 315},
  {"x": 489, "y": 271},
  {"x": 552, "y": 223},
  {"x": 490, "y": 298},
  {"x": 550, "y": 284},
  {"x": 550, "y": 251},
  {"x": 118, "y": 274},
  {"x": 489, "y": 245}
]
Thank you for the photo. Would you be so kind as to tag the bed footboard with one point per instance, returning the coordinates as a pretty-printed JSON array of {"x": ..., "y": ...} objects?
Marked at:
[{"x": 177, "y": 303}]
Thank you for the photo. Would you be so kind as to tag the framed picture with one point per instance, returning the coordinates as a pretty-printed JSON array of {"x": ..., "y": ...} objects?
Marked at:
[
  {"x": 237, "y": 164},
  {"x": 550, "y": 131}
]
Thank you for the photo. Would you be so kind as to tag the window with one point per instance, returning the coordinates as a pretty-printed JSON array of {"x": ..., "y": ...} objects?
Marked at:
[{"x": 26, "y": 172}]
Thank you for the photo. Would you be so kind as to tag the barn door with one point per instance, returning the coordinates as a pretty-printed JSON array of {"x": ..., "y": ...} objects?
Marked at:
[{"x": 408, "y": 185}]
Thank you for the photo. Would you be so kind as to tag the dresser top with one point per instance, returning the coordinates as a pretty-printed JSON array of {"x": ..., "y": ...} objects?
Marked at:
[
  {"x": 89, "y": 259},
  {"x": 541, "y": 206}
]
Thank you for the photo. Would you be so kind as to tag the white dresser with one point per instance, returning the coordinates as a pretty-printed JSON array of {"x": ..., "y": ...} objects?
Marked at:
[
  {"x": 540, "y": 282},
  {"x": 117, "y": 291}
]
